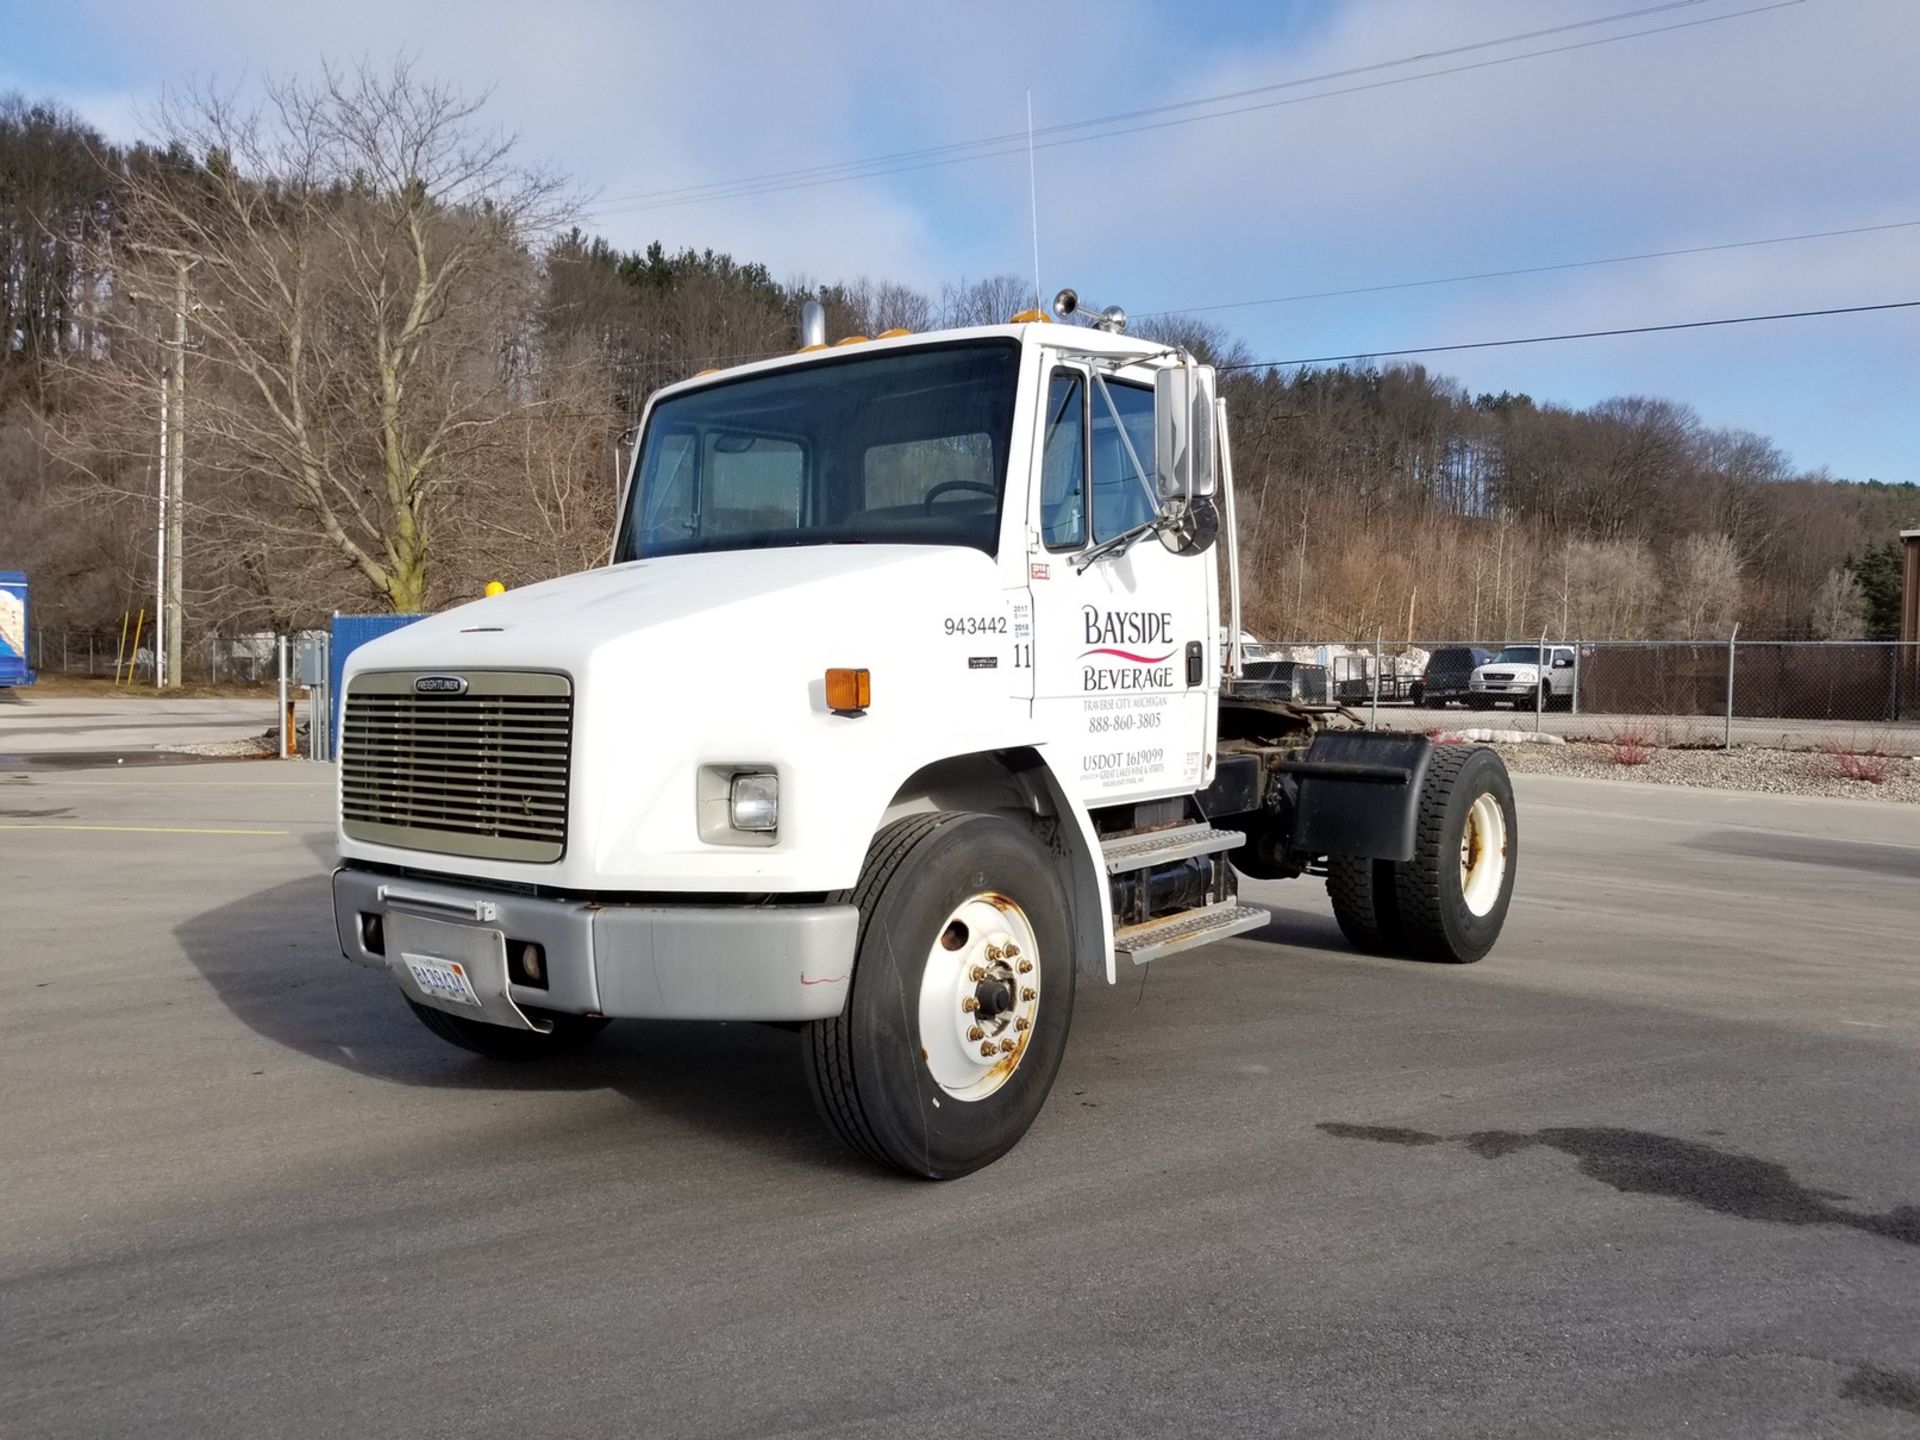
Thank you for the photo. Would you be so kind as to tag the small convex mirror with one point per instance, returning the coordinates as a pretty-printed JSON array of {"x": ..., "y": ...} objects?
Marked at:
[{"x": 1183, "y": 417}]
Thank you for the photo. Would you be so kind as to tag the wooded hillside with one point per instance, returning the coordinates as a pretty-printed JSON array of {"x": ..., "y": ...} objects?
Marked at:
[{"x": 407, "y": 374}]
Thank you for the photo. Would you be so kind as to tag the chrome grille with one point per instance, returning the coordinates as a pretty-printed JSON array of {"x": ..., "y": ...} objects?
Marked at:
[{"x": 482, "y": 773}]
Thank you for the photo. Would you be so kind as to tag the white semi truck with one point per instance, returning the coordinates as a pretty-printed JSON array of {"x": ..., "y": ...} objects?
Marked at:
[{"x": 994, "y": 741}]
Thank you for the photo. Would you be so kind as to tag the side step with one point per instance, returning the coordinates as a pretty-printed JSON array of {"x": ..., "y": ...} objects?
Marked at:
[
  {"x": 1163, "y": 847},
  {"x": 1171, "y": 934}
]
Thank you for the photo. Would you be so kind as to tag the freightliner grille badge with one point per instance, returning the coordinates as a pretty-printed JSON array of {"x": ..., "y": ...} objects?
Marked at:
[{"x": 440, "y": 685}]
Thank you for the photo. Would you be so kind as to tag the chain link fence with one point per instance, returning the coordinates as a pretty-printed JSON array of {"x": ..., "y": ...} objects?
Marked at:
[
  {"x": 247, "y": 658},
  {"x": 1859, "y": 696}
]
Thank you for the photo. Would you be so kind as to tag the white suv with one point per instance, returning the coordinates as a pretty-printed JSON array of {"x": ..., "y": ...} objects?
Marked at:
[{"x": 1517, "y": 675}]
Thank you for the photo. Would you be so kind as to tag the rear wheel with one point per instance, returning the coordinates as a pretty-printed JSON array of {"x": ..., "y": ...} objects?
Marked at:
[
  {"x": 498, "y": 1042},
  {"x": 962, "y": 993},
  {"x": 1364, "y": 903},
  {"x": 1451, "y": 898}
]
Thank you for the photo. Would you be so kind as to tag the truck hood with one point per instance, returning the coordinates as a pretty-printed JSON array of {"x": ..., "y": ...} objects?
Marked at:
[
  {"x": 688, "y": 668},
  {"x": 558, "y": 624}
]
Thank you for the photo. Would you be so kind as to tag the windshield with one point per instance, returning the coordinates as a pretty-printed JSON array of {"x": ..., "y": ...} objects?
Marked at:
[
  {"x": 902, "y": 447},
  {"x": 1517, "y": 655}
]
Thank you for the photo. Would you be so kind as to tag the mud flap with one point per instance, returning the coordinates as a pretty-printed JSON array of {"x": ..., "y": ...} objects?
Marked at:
[{"x": 1359, "y": 794}]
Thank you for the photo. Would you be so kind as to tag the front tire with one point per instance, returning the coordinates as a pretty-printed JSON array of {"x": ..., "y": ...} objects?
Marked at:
[
  {"x": 499, "y": 1042},
  {"x": 953, "y": 908}
]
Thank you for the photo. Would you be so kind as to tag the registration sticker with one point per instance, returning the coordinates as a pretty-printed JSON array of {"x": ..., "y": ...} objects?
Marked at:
[{"x": 442, "y": 979}]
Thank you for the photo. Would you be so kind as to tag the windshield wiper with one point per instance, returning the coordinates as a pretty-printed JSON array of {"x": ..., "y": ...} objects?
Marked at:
[{"x": 1117, "y": 544}]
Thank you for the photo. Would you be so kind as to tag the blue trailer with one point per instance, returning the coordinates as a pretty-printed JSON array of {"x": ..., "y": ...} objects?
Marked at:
[{"x": 13, "y": 629}]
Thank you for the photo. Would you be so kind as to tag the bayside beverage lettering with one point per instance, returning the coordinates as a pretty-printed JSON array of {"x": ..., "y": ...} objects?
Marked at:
[{"x": 1132, "y": 631}]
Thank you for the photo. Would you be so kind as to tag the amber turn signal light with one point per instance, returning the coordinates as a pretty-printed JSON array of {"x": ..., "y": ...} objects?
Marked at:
[{"x": 849, "y": 691}]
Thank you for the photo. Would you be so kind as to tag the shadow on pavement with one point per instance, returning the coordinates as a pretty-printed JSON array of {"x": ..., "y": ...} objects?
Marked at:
[
  {"x": 1639, "y": 1162},
  {"x": 1901, "y": 861},
  {"x": 272, "y": 960}
]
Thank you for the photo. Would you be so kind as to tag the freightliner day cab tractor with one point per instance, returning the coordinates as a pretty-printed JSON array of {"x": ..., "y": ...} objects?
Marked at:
[{"x": 995, "y": 742}]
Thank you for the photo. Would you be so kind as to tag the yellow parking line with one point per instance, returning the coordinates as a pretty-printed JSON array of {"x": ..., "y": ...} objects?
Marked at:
[{"x": 133, "y": 829}]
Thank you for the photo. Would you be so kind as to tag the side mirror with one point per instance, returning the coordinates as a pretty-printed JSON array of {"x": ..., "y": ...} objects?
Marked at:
[{"x": 1183, "y": 438}]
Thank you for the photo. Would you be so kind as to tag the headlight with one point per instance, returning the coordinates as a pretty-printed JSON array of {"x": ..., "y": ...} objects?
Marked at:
[{"x": 753, "y": 802}]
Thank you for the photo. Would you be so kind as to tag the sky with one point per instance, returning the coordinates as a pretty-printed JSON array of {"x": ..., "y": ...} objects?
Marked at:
[{"x": 1755, "y": 119}]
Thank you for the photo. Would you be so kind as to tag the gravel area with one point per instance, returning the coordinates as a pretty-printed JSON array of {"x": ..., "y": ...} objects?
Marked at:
[
  {"x": 252, "y": 747},
  {"x": 1774, "y": 772}
]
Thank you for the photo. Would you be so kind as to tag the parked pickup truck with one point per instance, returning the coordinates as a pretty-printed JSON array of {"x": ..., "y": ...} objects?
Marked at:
[{"x": 1517, "y": 676}]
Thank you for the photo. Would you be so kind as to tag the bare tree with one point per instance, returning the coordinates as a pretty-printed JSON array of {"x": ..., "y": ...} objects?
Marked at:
[
  {"x": 1839, "y": 607},
  {"x": 1704, "y": 595},
  {"x": 359, "y": 263}
]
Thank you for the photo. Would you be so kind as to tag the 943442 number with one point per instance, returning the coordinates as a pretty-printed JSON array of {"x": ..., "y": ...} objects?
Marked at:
[{"x": 976, "y": 625}]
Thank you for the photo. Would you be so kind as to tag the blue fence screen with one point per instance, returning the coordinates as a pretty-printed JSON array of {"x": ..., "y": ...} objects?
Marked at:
[
  {"x": 350, "y": 632},
  {"x": 14, "y": 619}
]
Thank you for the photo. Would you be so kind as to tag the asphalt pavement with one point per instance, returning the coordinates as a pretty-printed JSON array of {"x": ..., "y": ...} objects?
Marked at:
[
  {"x": 1649, "y": 1169},
  {"x": 36, "y": 723}
]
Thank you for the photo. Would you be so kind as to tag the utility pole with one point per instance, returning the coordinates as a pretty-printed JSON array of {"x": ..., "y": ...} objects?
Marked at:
[
  {"x": 160, "y": 627},
  {"x": 176, "y": 473}
]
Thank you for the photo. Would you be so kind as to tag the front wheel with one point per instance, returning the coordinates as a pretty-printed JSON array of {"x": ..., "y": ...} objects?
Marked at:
[{"x": 962, "y": 994}]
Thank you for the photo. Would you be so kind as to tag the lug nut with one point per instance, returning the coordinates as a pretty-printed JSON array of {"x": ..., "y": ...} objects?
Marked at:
[
  {"x": 974, "y": 1032},
  {"x": 969, "y": 1004},
  {"x": 993, "y": 952},
  {"x": 1008, "y": 1047},
  {"x": 978, "y": 972},
  {"x": 1022, "y": 1023},
  {"x": 1026, "y": 967},
  {"x": 1029, "y": 993},
  {"x": 987, "y": 1051},
  {"x": 1012, "y": 951}
]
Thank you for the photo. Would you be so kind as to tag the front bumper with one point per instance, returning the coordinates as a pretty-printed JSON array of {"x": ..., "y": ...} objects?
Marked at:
[{"x": 653, "y": 961}]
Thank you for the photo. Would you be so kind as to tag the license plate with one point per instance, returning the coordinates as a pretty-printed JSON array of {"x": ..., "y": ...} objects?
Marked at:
[{"x": 442, "y": 979}]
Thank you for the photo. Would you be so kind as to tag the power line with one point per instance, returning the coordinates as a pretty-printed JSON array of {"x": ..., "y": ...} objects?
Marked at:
[
  {"x": 1570, "y": 335},
  {"x": 812, "y": 171},
  {"x": 748, "y": 188},
  {"x": 1531, "y": 269}
]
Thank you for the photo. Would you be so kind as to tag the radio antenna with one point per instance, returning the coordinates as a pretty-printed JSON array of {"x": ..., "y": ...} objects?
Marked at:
[{"x": 1033, "y": 201}]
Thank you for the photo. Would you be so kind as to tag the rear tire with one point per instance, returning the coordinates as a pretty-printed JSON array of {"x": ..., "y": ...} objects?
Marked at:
[
  {"x": 1451, "y": 899},
  {"x": 1365, "y": 904},
  {"x": 498, "y": 1042},
  {"x": 893, "y": 1075}
]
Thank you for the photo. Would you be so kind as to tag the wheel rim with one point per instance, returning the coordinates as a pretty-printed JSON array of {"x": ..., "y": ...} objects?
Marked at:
[
  {"x": 1483, "y": 854},
  {"x": 979, "y": 996}
]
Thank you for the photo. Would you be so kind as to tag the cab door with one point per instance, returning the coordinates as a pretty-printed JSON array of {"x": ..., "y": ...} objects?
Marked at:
[{"x": 1125, "y": 670}]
